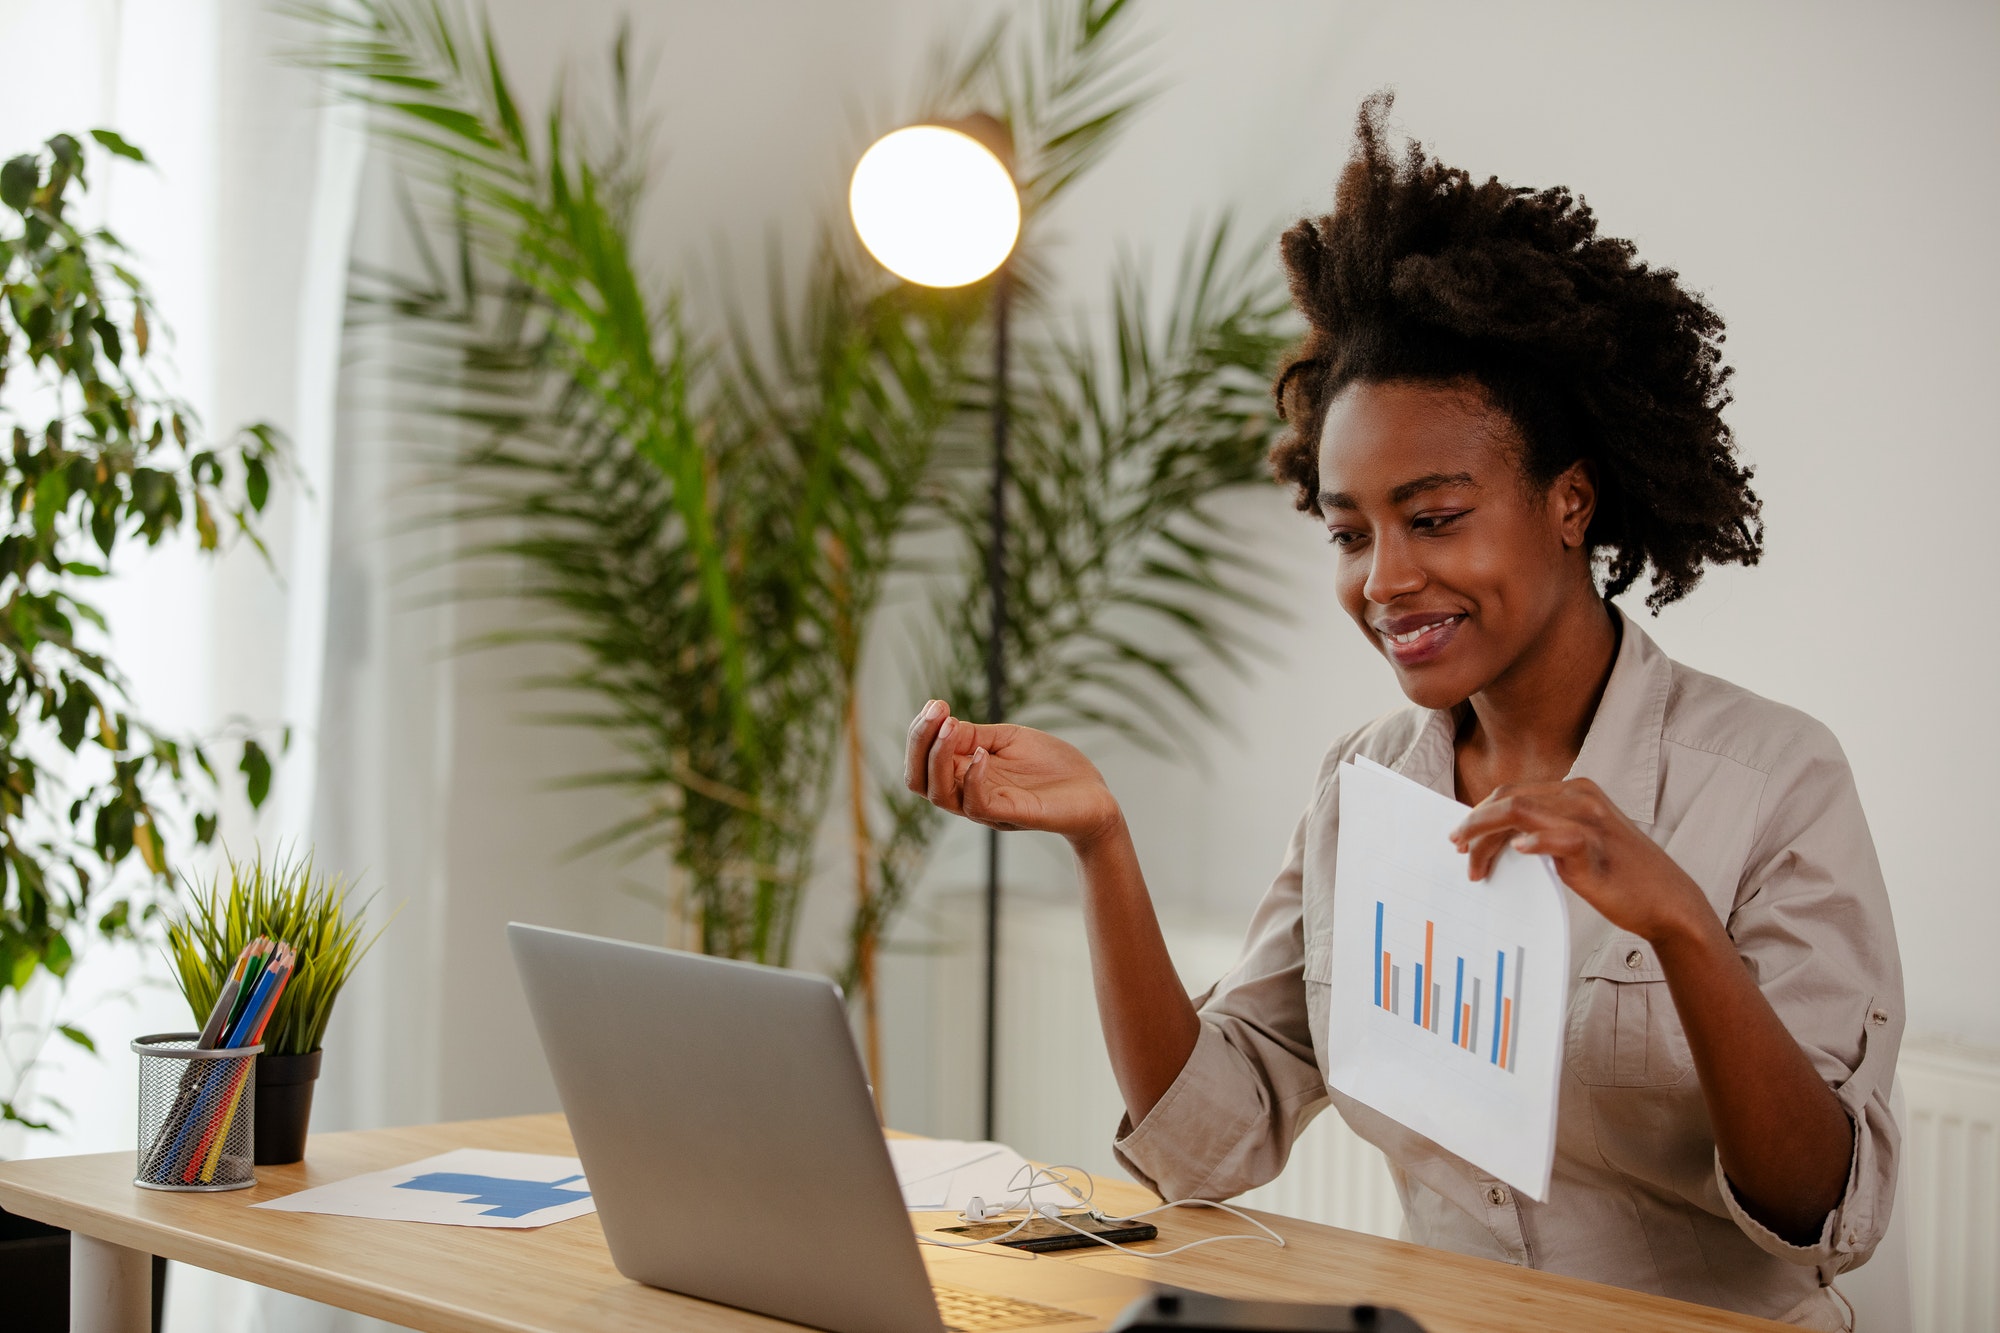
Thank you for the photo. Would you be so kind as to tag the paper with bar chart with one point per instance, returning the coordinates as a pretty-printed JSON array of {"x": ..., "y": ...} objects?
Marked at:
[{"x": 1447, "y": 995}]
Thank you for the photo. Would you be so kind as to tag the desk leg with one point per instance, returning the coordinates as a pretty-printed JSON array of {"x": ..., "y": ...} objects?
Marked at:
[{"x": 110, "y": 1287}]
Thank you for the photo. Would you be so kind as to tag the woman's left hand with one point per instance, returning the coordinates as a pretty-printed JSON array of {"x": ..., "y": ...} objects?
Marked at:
[{"x": 1606, "y": 858}]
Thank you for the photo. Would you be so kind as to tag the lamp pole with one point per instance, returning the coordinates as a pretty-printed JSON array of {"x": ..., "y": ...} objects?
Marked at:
[
  {"x": 937, "y": 204},
  {"x": 996, "y": 670}
]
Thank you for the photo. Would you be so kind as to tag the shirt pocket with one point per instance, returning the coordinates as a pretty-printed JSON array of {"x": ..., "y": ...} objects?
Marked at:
[{"x": 1624, "y": 1031}]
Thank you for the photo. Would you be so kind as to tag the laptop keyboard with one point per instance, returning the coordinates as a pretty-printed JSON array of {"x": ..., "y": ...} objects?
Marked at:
[{"x": 978, "y": 1312}]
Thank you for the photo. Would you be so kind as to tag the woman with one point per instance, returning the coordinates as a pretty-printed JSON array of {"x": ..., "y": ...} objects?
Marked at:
[{"x": 1504, "y": 420}]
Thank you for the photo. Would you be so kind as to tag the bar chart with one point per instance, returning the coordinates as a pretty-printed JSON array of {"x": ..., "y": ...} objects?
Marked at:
[
  {"x": 1483, "y": 1016},
  {"x": 1445, "y": 995}
]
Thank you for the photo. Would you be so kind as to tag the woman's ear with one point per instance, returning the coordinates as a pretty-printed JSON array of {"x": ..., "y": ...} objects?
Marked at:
[{"x": 1572, "y": 502}]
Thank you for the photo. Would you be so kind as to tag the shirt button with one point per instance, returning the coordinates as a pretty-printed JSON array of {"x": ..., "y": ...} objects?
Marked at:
[
  {"x": 1635, "y": 960},
  {"x": 1877, "y": 1017},
  {"x": 1498, "y": 1196}
]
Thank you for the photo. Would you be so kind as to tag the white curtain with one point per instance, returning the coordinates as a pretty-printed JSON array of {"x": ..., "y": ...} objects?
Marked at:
[{"x": 243, "y": 229}]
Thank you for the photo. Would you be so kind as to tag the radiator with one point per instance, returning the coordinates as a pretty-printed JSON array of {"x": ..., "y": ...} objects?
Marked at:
[
  {"x": 1058, "y": 1102},
  {"x": 1951, "y": 1170}
]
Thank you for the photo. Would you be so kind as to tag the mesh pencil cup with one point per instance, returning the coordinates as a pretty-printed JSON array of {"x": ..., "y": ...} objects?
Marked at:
[{"x": 197, "y": 1112}]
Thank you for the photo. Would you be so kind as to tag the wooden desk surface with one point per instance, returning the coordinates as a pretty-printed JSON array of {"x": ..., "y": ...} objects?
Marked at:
[{"x": 469, "y": 1280}]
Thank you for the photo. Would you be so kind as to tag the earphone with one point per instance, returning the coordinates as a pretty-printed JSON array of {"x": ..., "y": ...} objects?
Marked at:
[{"x": 978, "y": 1210}]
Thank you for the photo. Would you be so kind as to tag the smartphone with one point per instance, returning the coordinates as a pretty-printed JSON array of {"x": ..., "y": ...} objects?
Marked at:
[{"x": 1042, "y": 1234}]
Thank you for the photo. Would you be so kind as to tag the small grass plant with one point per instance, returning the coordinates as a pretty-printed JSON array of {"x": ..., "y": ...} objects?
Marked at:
[{"x": 288, "y": 900}]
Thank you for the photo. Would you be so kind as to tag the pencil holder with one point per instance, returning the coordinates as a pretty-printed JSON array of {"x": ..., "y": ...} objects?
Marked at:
[{"x": 197, "y": 1114}]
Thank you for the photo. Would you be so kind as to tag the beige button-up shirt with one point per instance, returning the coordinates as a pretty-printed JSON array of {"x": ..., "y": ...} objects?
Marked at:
[{"x": 1756, "y": 803}]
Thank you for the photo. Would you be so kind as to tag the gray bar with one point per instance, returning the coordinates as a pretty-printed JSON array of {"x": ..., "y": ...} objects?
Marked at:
[{"x": 1514, "y": 1037}]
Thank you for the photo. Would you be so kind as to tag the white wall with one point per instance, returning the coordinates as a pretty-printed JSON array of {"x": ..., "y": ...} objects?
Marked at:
[{"x": 1825, "y": 174}]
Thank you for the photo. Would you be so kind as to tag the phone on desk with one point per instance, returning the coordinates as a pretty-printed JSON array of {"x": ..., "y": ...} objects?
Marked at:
[{"x": 1042, "y": 1234}]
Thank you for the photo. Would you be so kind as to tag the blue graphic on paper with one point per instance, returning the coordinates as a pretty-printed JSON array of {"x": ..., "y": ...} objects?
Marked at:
[{"x": 509, "y": 1198}]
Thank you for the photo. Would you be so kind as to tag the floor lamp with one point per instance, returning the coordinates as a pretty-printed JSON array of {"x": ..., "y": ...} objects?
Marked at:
[{"x": 936, "y": 204}]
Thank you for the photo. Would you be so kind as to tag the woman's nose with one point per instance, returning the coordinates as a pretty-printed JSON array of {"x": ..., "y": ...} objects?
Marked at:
[{"x": 1392, "y": 573}]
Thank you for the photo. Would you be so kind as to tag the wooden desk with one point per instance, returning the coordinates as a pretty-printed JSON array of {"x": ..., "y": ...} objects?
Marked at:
[{"x": 468, "y": 1280}]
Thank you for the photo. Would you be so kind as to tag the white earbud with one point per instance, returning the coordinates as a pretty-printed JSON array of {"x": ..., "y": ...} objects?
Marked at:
[{"x": 975, "y": 1211}]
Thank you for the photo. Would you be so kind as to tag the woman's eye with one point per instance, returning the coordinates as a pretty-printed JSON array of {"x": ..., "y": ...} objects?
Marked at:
[
  {"x": 1343, "y": 538},
  {"x": 1433, "y": 522}
]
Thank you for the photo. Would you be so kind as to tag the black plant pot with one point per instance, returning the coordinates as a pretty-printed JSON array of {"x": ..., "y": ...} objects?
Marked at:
[{"x": 284, "y": 1106}]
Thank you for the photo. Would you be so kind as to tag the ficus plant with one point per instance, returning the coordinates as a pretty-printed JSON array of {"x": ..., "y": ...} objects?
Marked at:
[{"x": 96, "y": 458}]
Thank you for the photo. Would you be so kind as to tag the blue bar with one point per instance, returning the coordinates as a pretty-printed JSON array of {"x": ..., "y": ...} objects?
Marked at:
[
  {"x": 1417, "y": 1014},
  {"x": 1499, "y": 989},
  {"x": 1378, "y": 955},
  {"x": 1458, "y": 1006}
]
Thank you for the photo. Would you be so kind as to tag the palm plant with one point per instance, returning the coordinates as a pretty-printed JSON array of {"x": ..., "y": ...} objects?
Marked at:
[{"x": 715, "y": 520}]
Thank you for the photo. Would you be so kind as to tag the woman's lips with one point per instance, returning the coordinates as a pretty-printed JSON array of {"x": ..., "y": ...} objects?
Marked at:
[{"x": 1411, "y": 641}]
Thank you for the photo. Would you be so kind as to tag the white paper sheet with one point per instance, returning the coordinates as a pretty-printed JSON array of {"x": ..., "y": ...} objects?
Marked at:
[
  {"x": 944, "y": 1175},
  {"x": 1476, "y": 1068},
  {"x": 471, "y": 1187}
]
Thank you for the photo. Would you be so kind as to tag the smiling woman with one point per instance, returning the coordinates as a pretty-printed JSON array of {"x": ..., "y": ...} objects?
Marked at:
[{"x": 1505, "y": 421}]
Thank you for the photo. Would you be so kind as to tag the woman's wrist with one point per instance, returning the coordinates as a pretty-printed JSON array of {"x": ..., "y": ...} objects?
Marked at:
[
  {"x": 1100, "y": 837},
  {"x": 1691, "y": 934}
]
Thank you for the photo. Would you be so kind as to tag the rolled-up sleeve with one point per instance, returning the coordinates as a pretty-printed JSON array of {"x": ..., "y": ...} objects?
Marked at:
[
  {"x": 1812, "y": 922},
  {"x": 1227, "y": 1123}
]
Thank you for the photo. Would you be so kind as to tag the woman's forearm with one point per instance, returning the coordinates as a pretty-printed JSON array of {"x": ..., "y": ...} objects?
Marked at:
[
  {"x": 1149, "y": 1023},
  {"x": 1783, "y": 1138}
]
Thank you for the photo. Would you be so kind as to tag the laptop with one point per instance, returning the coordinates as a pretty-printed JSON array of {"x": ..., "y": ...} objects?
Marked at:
[{"x": 727, "y": 1132}]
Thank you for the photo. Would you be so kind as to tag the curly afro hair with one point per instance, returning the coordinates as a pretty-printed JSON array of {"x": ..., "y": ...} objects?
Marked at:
[{"x": 1421, "y": 274}]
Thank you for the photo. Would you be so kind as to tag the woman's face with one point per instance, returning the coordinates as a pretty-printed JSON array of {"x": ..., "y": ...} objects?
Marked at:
[{"x": 1450, "y": 561}]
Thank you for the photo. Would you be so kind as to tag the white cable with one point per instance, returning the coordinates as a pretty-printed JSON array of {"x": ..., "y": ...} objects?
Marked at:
[
  {"x": 1059, "y": 1177},
  {"x": 1269, "y": 1237},
  {"x": 1035, "y": 1175}
]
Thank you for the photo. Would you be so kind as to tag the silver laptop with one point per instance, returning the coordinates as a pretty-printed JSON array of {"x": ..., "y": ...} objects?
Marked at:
[{"x": 731, "y": 1145}]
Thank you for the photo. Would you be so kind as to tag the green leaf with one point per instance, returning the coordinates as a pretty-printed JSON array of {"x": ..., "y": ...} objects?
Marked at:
[
  {"x": 115, "y": 142},
  {"x": 117, "y": 919},
  {"x": 256, "y": 770},
  {"x": 18, "y": 180},
  {"x": 57, "y": 955},
  {"x": 256, "y": 483},
  {"x": 79, "y": 1036}
]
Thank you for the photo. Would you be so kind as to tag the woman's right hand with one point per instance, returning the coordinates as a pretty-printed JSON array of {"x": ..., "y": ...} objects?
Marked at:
[{"x": 1007, "y": 777}]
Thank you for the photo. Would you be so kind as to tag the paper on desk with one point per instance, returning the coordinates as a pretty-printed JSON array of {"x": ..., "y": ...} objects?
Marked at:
[
  {"x": 944, "y": 1175},
  {"x": 1470, "y": 1055},
  {"x": 471, "y": 1187}
]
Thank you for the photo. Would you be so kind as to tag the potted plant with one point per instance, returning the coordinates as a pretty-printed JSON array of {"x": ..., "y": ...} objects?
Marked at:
[
  {"x": 718, "y": 513},
  {"x": 96, "y": 457},
  {"x": 286, "y": 901}
]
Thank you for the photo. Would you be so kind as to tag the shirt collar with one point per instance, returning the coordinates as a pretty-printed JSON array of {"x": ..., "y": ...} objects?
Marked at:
[{"x": 1621, "y": 751}]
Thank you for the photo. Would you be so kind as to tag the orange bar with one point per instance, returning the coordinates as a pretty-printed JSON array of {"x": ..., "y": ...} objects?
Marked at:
[
  {"x": 1465, "y": 1027},
  {"x": 1388, "y": 983},
  {"x": 1506, "y": 1028},
  {"x": 1430, "y": 928}
]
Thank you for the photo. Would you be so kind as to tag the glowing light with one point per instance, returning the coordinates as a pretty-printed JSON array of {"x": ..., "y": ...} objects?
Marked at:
[{"x": 934, "y": 206}]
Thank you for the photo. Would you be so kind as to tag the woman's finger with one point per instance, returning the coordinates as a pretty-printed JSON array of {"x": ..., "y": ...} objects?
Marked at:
[
  {"x": 1560, "y": 843},
  {"x": 1483, "y": 843},
  {"x": 922, "y": 732},
  {"x": 1483, "y": 851},
  {"x": 980, "y": 797},
  {"x": 951, "y": 747}
]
